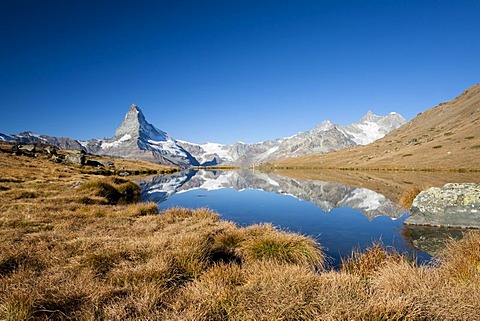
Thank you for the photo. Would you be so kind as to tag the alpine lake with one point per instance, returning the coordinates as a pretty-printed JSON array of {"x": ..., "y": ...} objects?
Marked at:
[{"x": 343, "y": 211}]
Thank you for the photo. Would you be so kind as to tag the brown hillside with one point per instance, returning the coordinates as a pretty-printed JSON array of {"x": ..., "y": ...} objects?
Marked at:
[{"x": 445, "y": 137}]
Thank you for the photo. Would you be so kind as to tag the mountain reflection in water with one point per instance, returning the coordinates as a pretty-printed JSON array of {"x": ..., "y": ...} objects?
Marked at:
[{"x": 340, "y": 217}]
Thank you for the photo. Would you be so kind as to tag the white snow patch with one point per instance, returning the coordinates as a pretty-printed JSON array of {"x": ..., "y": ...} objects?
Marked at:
[
  {"x": 370, "y": 132},
  {"x": 370, "y": 200},
  {"x": 117, "y": 143},
  {"x": 83, "y": 143},
  {"x": 215, "y": 148},
  {"x": 169, "y": 146}
]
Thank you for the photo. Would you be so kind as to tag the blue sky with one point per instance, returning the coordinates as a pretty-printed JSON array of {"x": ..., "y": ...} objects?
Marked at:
[{"x": 225, "y": 71}]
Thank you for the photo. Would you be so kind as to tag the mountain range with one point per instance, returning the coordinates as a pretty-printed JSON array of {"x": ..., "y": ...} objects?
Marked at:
[
  {"x": 136, "y": 138},
  {"x": 446, "y": 137}
]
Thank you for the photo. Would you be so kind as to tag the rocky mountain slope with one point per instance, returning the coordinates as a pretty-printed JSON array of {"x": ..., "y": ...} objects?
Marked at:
[
  {"x": 323, "y": 138},
  {"x": 444, "y": 137},
  {"x": 29, "y": 137},
  {"x": 138, "y": 139}
]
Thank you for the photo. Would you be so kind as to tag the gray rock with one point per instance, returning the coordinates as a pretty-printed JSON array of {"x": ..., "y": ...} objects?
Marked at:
[
  {"x": 27, "y": 148},
  {"x": 454, "y": 205},
  {"x": 50, "y": 150},
  {"x": 76, "y": 159}
]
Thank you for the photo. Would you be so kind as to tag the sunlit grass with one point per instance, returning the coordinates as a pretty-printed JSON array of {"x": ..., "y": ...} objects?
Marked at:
[{"x": 77, "y": 251}]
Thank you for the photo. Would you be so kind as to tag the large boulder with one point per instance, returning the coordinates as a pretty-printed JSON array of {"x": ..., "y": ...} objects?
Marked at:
[
  {"x": 75, "y": 159},
  {"x": 453, "y": 205}
]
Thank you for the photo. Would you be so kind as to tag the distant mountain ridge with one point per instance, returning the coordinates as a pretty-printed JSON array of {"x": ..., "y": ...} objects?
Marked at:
[
  {"x": 136, "y": 138},
  {"x": 29, "y": 137},
  {"x": 445, "y": 137},
  {"x": 323, "y": 138}
]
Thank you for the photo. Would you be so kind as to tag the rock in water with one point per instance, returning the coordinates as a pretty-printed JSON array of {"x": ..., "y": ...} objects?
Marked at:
[{"x": 453, "y": 205}]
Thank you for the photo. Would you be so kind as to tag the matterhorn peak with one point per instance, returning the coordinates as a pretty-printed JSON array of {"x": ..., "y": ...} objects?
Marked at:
[
  {"x": 133, "y": 124},
  {"x": 136, "y": 138}
]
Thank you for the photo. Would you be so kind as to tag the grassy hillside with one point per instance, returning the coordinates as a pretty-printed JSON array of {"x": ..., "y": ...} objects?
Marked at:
[
  {"x": 74, "y": 245},
  {"x": 446, "y": 137}
]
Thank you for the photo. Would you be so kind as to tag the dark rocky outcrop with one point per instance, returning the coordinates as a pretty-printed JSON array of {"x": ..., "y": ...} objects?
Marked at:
[{"x": 453, "y": 205}]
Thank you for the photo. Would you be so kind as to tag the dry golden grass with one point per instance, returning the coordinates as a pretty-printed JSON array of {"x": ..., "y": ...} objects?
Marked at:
[
  {"x": 406, "y": 200},
  {"x": 461, "y": 260},
  {"x": 265, "y": 243},
  {"x": 64, "y": 258},
  {"x": 364, "y": 264}
]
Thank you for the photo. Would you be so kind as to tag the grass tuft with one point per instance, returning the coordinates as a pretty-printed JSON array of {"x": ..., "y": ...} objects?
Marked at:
[
  {"x": 266, "y": 243},
  {"x": 113, "y": 190},
  {"x": 461, "y": 259},
  {"x": 26, "y": 195},
  {"x": 17, "y": 308},
  {"x": 364, "y": 264},
  {"x": 17, "y": 261},
  {"x": 176, "y": 214},
  {"x": 406, "y": 200}
]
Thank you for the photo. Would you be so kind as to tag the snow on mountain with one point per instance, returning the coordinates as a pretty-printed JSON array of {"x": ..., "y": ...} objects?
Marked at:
[
  {"x": 6, "y": 138},
  {"x": 208, "y": 153},
  {"x": 323, "y": 126},
  {"x": 323, "y": 138},
  {"x": 138, "y": 139},
  {"x": 116, "y": 143},
  {"x": 29, "y": 137},
  {"x": 372, "y": 127}
]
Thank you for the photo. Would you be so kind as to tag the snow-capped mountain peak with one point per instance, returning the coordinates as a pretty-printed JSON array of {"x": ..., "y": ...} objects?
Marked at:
[
  {"x": 136, "y": 126},
  {"x": 324, "y": 126},
  {"x": 370, "y": 116},
  {"x": 138, "y": 139},
  {"x": 372, "y": 127}
]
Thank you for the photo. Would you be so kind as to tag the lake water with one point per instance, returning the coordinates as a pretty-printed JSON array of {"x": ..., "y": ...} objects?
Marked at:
[{"x": 341, "y": 218}]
